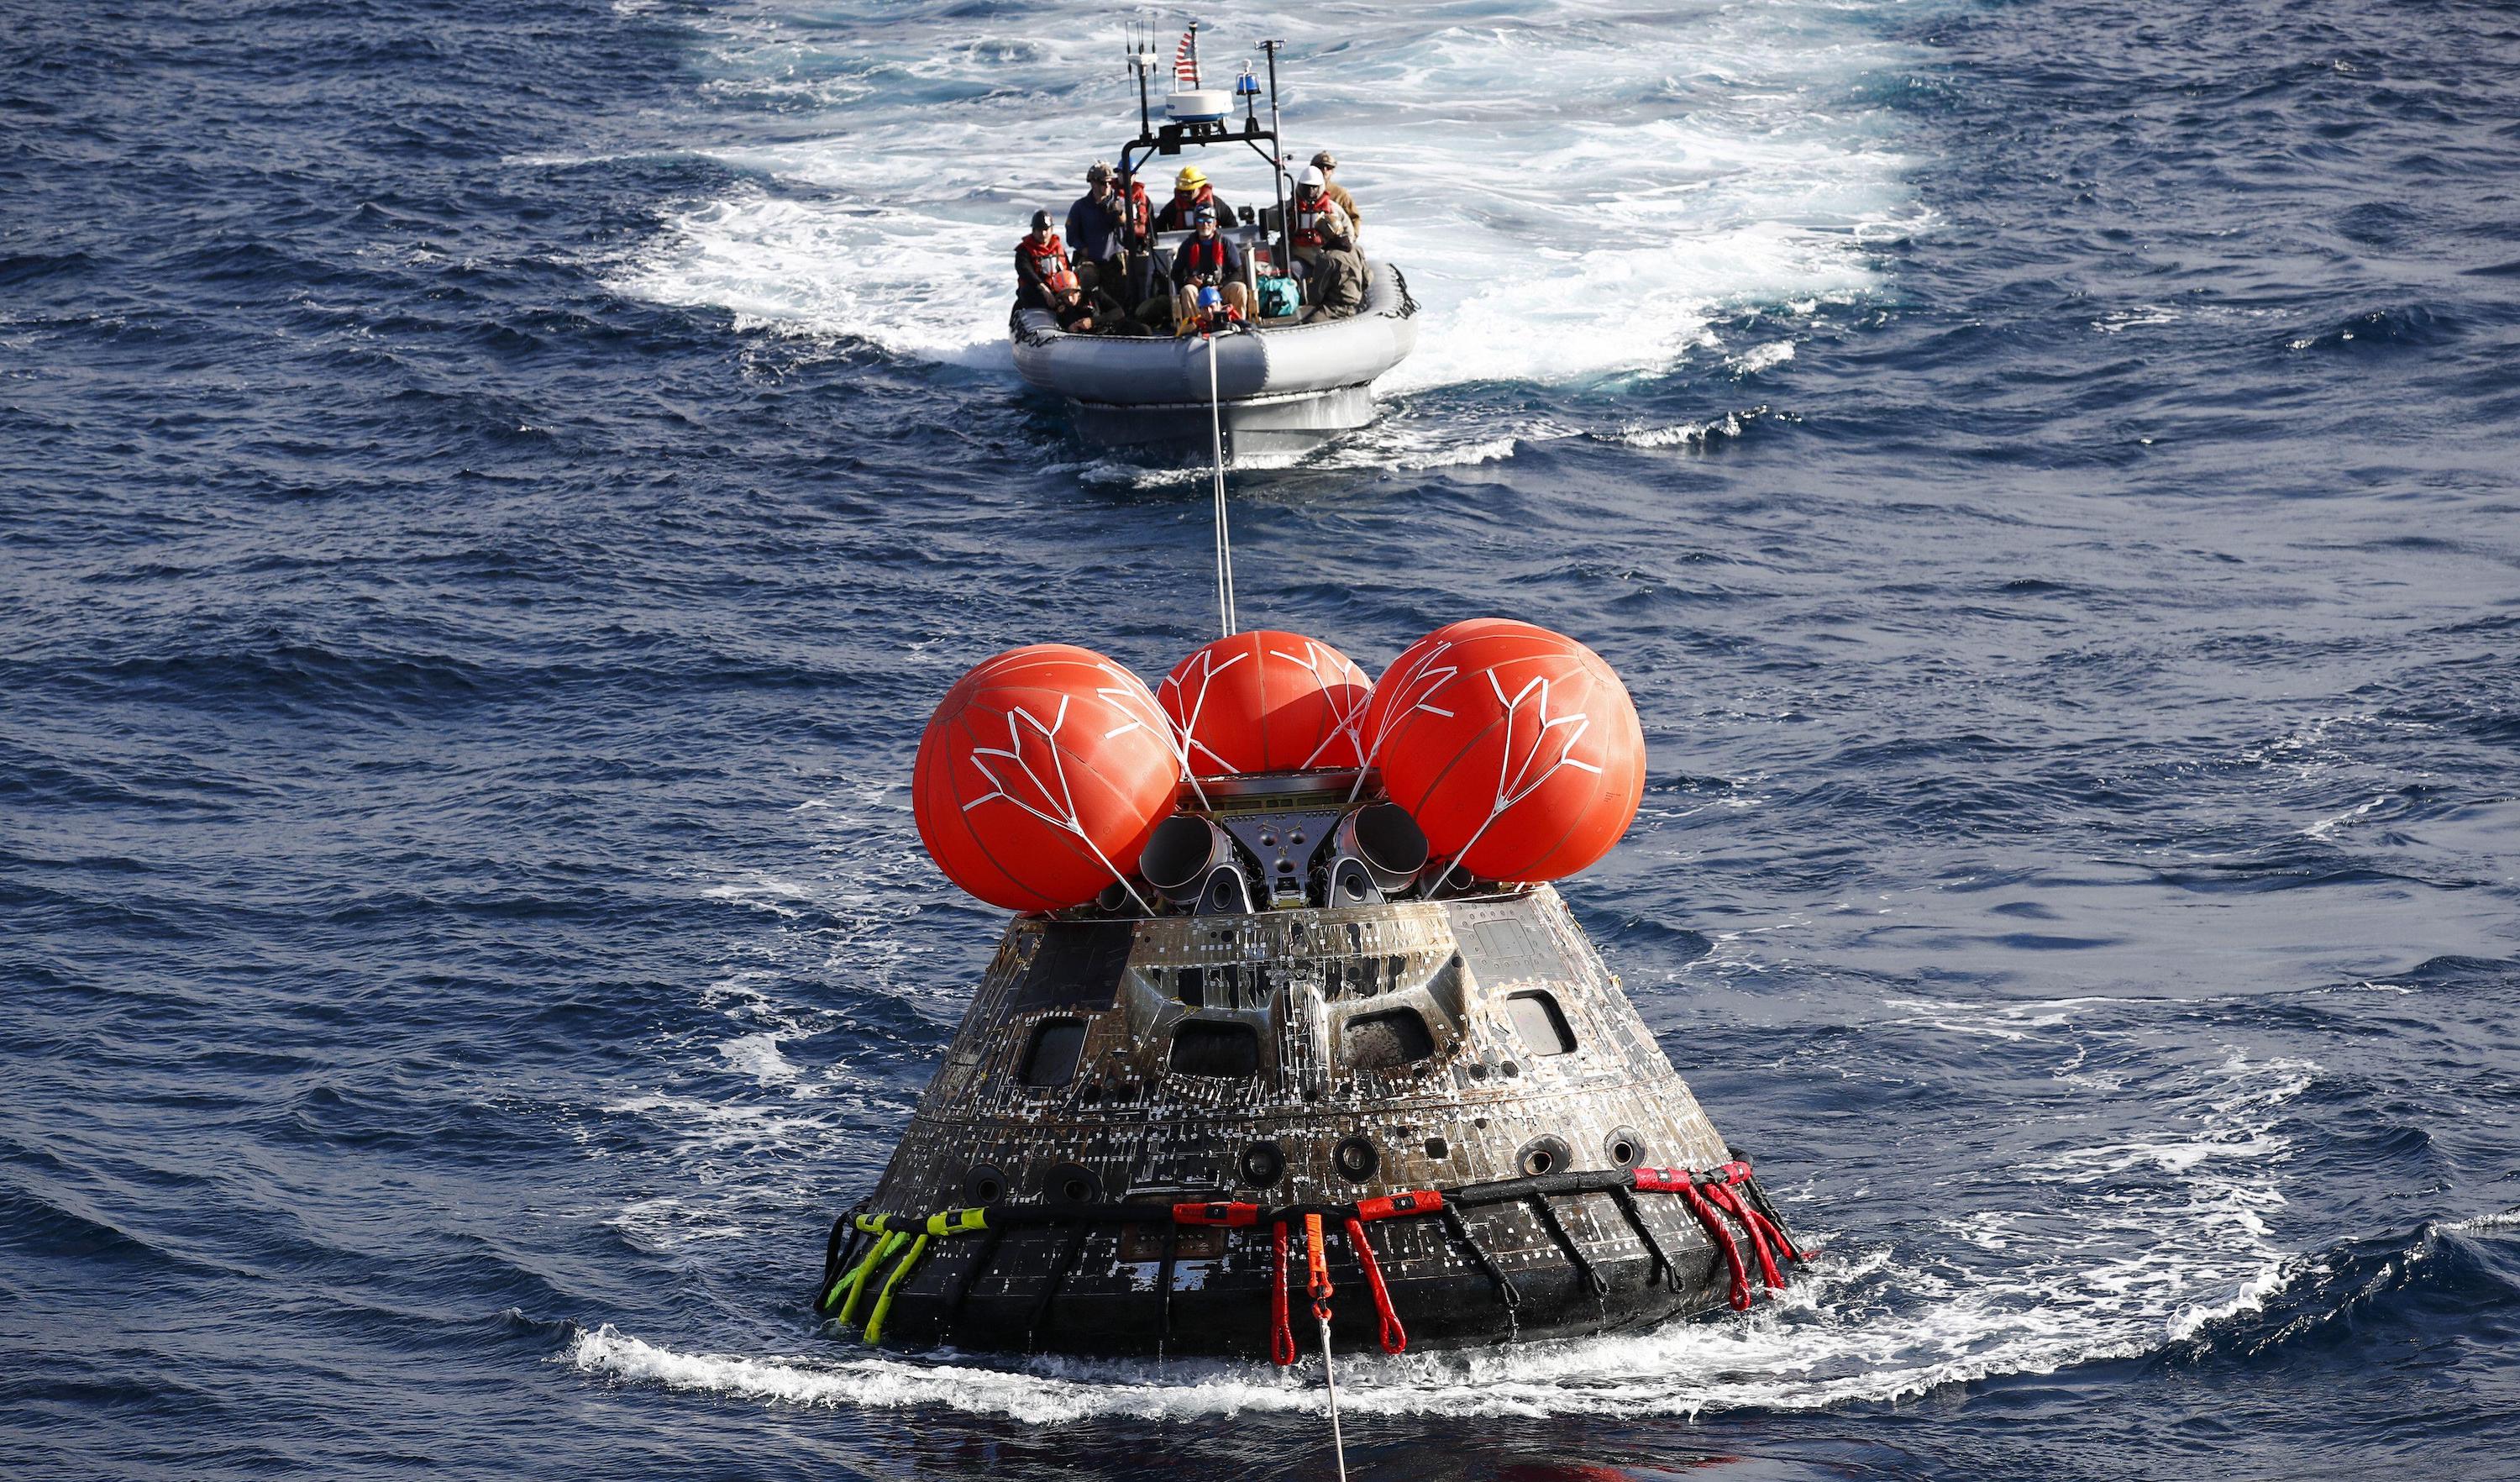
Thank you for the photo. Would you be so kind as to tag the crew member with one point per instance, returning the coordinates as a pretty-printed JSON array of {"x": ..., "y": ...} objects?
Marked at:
[
  {"x": 1327, "y": 163},
  {"x": 1083, "y": 311},
  {"x": 1138, "y": 236},
  {"x": 1214, "y": 313},
  {"x": 1335, "y": 289},
  {"x": 1208, "y": 260},
  {"x": 1190, "y": 191},
  {"x": 1320, "y": 226},
  {"x": 1326, "y": 248},
  {"x": 1039, "y": 254},
  {"x": 1095, "y": 229}
]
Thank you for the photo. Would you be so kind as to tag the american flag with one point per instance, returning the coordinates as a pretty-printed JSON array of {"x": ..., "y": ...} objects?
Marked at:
[{"x": 1185, "y": 59}]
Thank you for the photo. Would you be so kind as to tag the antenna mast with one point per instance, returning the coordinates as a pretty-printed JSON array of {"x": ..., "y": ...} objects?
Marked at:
[
  {"x": 1277, "y": 149},
  {"x": 1138, "y": 47}
]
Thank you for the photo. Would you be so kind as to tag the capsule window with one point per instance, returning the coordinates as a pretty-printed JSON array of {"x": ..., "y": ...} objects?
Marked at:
[
  {"x": 1216, "y": 1048},
  {"x": 1077, "y": 966},
  {"x": 1386, "y": 1041},
  {"x": 1539, "y": 1023},
  {"x": 1058, "y": 1045}
]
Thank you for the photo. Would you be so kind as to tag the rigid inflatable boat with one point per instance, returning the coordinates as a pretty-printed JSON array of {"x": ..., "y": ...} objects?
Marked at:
[
  {"x": 1325, "y": 1043},
  {"x": 1276, "y": 387},
  {"x": 1279, "y": 391}
]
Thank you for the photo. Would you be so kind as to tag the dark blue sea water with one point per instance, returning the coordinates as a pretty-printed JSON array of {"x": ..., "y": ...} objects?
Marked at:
[{"x": 488, "y": 495}]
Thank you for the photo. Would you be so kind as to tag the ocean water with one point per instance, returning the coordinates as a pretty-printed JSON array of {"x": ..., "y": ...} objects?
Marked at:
[{"x": 488, "y": 496}]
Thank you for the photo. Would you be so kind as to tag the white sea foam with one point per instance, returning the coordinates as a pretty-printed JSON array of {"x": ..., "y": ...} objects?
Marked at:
[
  {"x": 1763, "y": 357},
  {"x": 2486, "y": 1224},
  {"x": 666, "y": 1224},
  {"x": 762, "y": 892},
  {"x": 1687, "y": 434},
  {"x": 2110, "y": 1251},
  {"x": 757, "y": 1056},
  {"x": 2328, "y": 825},
  {"x": 1428, "y": 443},
  {"x": 1570, "y": 193}
]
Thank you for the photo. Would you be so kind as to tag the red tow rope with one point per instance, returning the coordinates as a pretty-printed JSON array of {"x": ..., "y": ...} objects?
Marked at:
[
  {"x": 1282, "y": 1335},
  {"x": 1736, "y": 1174},
  {"x": 1677, "y": 1181},
  {"x": 1395, "y": 1339},
  {"x": 1753, "y": 1225}
]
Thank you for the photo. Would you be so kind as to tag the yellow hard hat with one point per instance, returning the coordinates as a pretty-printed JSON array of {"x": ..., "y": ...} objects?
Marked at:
[{"x": 1191, "y": 178}]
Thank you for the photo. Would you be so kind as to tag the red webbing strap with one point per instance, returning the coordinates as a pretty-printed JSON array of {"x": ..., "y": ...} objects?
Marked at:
[
  {"x": 1391, "y": 1206},
  {"x": 1721, "y": 1235},
  {"x": 1281, "y": 1336},
  {"x": 1232, "y": 1216},
  {"x": 1317, "y": 1268},
  {"x": 1723, "y": 1199},
  {"x": 1395, "y": 1339},
  {"x": 1736, "y": 1174}
]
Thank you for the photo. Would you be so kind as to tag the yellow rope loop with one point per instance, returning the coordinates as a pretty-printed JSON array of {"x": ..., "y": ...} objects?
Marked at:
[
  {"x": 857, "y": 1279},
  {"x": 855, "y": 1275},
  {"x": 883, "y": 1300}
]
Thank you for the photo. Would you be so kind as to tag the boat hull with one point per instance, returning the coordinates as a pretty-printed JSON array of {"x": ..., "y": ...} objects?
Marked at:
[
  {"x": 1254, "y": 430},
  {"x": 1278, "y": 391}
]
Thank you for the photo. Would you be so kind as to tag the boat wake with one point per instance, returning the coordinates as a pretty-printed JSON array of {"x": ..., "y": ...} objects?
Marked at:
[{"x": 1568, "y": 201}]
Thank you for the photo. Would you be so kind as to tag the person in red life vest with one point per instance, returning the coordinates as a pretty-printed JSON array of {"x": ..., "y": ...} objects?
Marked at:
[
  {"x": 1190, "y": 191},
  {"x": 1321, "y": 225},
  {"x": 1039, "y": 254},
  {"x": 1208, "y": 260},
  {"x": 1325, "y": 249},
  {"x": 1137, "y": 280}
]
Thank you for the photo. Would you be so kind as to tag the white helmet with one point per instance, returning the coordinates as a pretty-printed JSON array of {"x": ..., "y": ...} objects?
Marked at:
[{"x": 1312, "y": 176}]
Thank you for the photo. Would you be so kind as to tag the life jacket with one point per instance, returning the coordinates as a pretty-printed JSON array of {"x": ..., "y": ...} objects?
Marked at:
[
  {"x": 1309, "y": 220},
  {"x": 1142, "y": 214},
  {"x": 1210, "y": 321},
  {"x": 1046, "y": 257},
  {"x": 1201, "y": 255},
  {"x": 1207, "y": 196}
]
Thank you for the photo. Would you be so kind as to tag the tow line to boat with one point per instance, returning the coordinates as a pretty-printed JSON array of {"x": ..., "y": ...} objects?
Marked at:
[{"x": 1225, "y": 613}]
